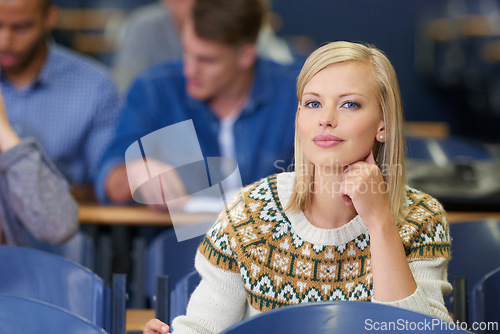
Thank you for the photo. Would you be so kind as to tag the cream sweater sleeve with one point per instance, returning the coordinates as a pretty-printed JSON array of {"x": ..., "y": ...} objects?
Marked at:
[
  {"x": 218, "y": 302},
  {"x": 432, "y": 284}
]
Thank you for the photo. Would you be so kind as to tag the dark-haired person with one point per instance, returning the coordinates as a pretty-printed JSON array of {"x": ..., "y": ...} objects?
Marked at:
[
  {"x": 34, "y": 196},
  {"x": 241, "y": 105},
  {"x": 153, "y": 35},
  {"x": 67, "y": 102}
]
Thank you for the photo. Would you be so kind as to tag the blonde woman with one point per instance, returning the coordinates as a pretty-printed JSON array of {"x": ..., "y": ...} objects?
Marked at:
[{"x": 343, "y": 226}]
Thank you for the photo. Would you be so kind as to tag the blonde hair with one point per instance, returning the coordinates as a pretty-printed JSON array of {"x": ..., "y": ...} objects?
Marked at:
[{"x": 389, "y": 154}]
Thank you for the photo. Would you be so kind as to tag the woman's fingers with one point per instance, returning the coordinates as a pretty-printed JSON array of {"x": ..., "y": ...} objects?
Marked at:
[
  {"x": 370, "y": 159},
  {"x": 155, "y": 326},
  {"x": 361, "y": 179}
]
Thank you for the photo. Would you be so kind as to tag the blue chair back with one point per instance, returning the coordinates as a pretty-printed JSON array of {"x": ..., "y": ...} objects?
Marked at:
[
  {"x": 167, "y": 256},
  {"x": 24, "y": 315},
  {"x": 485, "y": 304},
  {"x": 473, "y": 248},
  {"x": 47, "y": 277},
  {"x": 341, "y": 317},
  {"x": 179, "y": 297},
  {"x": 80, "y": 249}
]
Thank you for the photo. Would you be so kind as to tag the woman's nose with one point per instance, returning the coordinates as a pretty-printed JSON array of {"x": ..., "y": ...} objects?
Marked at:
[{"x": 328, "y": 118}]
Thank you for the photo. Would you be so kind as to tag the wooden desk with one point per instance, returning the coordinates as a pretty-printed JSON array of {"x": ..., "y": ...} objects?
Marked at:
[
  {"x": 141, "y": 215},
  {"x": 136, "y": 215},
  {"x": 427, "y": 129},
  {"x": 137, "y": 318},
  {"x": 461, "y": 216}
]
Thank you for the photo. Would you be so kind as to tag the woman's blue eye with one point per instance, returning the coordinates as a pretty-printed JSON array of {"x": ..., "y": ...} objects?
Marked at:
[
  {"x": 351, "y": 105},
  {"x": 313, "y": 104}
]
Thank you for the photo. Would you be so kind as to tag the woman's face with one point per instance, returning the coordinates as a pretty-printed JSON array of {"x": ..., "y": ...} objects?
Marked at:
[{"x": 340, "y": 115}]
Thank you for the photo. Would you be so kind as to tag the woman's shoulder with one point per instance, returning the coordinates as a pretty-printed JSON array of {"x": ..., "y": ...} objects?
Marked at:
[
  {"x": 256, "y": 207},
  {"x": 425, "y": 230},
  {"x": 417, "y": 200},
  {"x": 423, "y": 210}
]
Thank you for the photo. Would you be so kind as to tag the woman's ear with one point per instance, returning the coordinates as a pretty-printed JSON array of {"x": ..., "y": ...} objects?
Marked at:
[{"x": 380, "y": 137}]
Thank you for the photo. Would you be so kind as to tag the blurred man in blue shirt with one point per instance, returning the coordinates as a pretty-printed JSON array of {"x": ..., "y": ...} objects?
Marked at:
[
  {"x": 241, "y": 106},
  {"x": 66, "y": 101}
]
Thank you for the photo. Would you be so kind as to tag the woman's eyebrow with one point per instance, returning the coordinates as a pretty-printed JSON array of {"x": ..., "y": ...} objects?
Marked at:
[
  {"x": 341, "y": 95},
  {"x": 349, "y": 94},
  {"x": 311, "y": 93}
]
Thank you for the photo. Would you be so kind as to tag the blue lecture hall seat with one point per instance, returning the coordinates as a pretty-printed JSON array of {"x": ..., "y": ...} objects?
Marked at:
[
  {"x": 24, "y": 315},
  {"x": 167, "y": 256},
  {"x": 474, "y": 248},
  {"x": 485, "y": 304},
  {"x": 171, "y": 303},
  {"x": 342, "y": 317},
  {"x": 47, "y": 277},
  {"x": 80, "y": 249},
  {"x": 179, "y": 296}
]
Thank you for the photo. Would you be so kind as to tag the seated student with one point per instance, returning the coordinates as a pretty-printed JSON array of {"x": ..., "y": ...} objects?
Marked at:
[
  {"x": 34, "y": 196},
  {"x": 153, "y": 35},
  {"x": 64, "y": 100},
  {"x": 240, "y": 105},
  {"x": 342, "y": 226}
]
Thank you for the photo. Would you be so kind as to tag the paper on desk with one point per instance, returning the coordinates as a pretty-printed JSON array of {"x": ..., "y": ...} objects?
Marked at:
[
  {"x": 204, "y": 204},
  {"x": 198, "y": 204}
]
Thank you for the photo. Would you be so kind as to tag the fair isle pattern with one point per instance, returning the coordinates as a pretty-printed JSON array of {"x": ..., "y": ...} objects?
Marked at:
[
  {"x": 254, "y": 237},
  {"x": 425, "y": 231}
]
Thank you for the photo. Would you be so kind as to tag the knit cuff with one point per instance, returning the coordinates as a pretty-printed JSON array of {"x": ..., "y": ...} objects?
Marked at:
[{"x": 416, "y": 302}]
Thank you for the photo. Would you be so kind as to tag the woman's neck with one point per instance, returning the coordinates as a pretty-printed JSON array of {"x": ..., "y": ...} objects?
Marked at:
[{"x": 327, "y": 209}]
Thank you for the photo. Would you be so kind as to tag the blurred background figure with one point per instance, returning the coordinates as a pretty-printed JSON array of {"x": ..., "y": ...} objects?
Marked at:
[
  {"x": 153, "y": 34},
  {"x": 242, "y": 106},
  {"x": 66, "y": 101},
  {"x": 34, "y": 198}
]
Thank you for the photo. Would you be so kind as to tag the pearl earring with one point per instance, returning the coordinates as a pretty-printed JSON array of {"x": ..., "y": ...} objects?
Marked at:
[{"x": 381, "y": 137}]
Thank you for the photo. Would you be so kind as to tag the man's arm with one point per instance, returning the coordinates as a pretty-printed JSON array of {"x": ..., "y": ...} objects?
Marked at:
[{"x": 138, "y": 117}]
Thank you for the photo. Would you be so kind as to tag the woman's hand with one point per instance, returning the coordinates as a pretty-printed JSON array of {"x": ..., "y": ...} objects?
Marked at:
[
  {"x": 155, "y": 326},
  {"x": 364, "y": 187}
]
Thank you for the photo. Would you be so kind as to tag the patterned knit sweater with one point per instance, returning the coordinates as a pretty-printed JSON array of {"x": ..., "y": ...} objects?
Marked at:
[{"x": 258, "y": 256}]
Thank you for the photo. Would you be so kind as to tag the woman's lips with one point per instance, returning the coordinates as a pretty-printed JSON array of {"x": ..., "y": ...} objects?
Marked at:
[{"x": 326, "y": 141}]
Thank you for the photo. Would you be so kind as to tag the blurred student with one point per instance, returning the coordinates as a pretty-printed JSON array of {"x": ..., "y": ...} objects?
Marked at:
[
  {"x": 66, "y": 101},
  {"x": 241, "y": 105},
  {"x": 34, "y": 196},
  {"x": 153, "y": 35}
]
